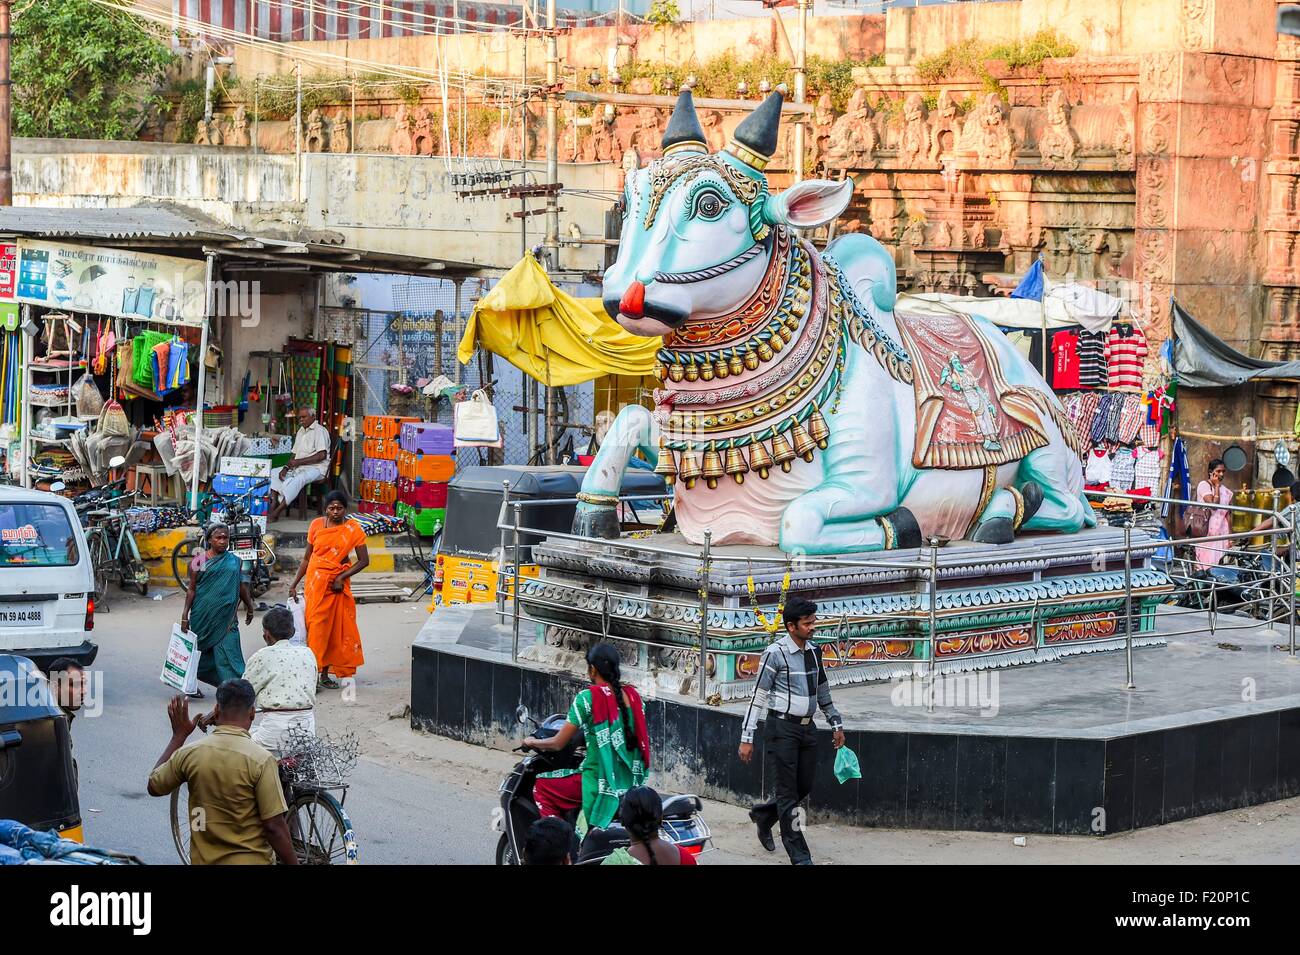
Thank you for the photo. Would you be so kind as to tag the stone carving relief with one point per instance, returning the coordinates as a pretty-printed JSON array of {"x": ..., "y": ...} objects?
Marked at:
[
  {"x": 340, "y": 137},
  {"x": 424, "y": 137},
  {"x": 1123, "y": 145},
  {"x": 646, "y": 136},
  {"x": 1157, "y": 128},
  {"x": 1159, "y": 77},
  {"x": 714, "y": 134},
  {"x": 822, "y": 122},
  {"x": 314, "y": 138},
  {"x": 239, "y": 135},
  {"x": 209, "y": 133},
  {"x": 1154, "y": 261},
  {"x": 914, "y": 139},
  {"x": 402, "y": 142},
  {"x": 914, "y": 234},
  {"x": 1153, "y": 187},
  {"x": 987, "y": 134},
  {"x": 945, "y": 127},
  {"x": 1195, "y": 23},
  {"x": 1057, "y": 144},
  {"x": 853, "y": 136}
]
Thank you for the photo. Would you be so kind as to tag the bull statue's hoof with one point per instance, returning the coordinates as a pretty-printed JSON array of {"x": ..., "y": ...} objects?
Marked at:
[
  {"x": 1032, "y": 493},
  {"x": 596, "y": 520},
  {"x": 996, "y": 530},
  {"x": 901, "y": 529}
]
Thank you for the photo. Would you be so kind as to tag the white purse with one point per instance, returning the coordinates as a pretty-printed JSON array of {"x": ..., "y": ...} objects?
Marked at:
[{"x": 476, "y": 419}]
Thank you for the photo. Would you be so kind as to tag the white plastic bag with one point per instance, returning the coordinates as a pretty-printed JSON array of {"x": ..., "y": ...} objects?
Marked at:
[
  {"x": 476, "y": 419},
  {"x": 85, "y": 393},
  {"x": 181, "y": 665},
  {"x": 298, "y": 608}
]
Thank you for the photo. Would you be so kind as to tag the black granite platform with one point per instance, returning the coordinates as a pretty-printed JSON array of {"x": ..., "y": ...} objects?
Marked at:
[{"x": 1214, "y": 724}]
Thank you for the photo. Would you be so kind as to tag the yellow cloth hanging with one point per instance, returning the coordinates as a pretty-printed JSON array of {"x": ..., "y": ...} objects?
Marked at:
[{"x": 550, "y": 335}]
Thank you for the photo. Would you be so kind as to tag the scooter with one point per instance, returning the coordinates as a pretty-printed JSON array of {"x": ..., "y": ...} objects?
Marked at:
[{"x": 683, "y": 824}]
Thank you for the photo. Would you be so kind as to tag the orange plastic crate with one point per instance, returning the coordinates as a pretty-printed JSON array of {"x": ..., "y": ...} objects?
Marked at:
[
  {"x": 384, "y": 426},
  {"x": 425, "y": 467},
  {"x": 378, "y": 492},
  {"x": 383, "y": 448}
]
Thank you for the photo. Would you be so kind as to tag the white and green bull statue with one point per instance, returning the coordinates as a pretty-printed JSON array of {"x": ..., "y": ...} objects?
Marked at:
[{"x": 798, "y": 406}]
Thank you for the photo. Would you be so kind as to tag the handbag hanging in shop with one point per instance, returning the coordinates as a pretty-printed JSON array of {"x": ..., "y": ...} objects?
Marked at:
[{"x": 476, "y": 419}]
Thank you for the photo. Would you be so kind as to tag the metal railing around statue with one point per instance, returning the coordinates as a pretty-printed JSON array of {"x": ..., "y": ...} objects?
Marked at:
[{"x": 1252, "y": 585}]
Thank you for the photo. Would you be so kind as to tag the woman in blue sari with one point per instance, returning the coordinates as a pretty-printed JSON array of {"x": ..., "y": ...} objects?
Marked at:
[{"x": 216, "y": 588}]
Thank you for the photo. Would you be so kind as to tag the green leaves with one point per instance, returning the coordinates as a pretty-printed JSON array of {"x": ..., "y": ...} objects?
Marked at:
[{"x": 84, "y": 71}]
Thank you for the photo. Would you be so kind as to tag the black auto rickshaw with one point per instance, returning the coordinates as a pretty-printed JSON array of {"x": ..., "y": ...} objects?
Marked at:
[{"x": 38, "y": 785}]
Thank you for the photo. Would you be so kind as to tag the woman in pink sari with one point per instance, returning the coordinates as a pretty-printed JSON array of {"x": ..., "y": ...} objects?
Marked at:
[{"x": 1212, "y": 491}]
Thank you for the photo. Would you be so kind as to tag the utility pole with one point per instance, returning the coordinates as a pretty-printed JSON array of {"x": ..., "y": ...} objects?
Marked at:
[
  {"x": 800, "y": 87},
  {"x": 6, "y": 87},
  {"x": 552, "y": 138}
]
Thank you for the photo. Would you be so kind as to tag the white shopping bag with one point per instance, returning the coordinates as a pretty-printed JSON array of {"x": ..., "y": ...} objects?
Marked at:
[
  {"x": 181, "y": 666},
  {"x": 298, "y": 608},
  {"x": 476, "y": 419}
]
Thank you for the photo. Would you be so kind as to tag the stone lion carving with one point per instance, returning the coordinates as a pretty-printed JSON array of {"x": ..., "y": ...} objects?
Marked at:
[
  {"x": 987, "y": 133},
  {"x": 853, "y": 137},
  {"x": 340, "y": 138},
  {"x": 914, "y": 140},
  {"x": 1057, "y": 144},
  {"x": 314, "y": 140}
]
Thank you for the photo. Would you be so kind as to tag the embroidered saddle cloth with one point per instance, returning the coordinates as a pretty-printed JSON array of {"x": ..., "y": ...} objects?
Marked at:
[{"x": 967, "y": 416}]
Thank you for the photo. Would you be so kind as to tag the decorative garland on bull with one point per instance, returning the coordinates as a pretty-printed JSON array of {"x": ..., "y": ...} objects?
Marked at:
[{"x": 798, "y": 407}]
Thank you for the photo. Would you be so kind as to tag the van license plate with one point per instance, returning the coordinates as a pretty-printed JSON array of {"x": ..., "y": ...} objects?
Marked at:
[{"x": 11, "y": 616}]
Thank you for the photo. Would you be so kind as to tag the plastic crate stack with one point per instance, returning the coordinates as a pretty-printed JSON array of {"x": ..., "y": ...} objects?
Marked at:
[
  {"x": 424, "y": 466},
  {"x": 379, "y": 448},
  {"x": 237, "y": 485}
]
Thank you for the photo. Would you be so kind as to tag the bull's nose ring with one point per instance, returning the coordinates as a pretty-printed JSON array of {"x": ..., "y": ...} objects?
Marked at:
[{"x": 633, "y": 301}]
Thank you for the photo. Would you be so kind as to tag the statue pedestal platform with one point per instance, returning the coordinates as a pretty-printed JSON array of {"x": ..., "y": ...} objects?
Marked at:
[{"x": 1037, "y": 599}]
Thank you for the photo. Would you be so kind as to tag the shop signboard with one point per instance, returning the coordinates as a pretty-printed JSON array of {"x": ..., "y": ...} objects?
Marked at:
[
  {"x": 8, "y": 270},
  {"x": 102, "y": 281}
]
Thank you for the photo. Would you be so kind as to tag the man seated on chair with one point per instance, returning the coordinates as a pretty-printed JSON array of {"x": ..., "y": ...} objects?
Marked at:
[{"x": 311, "y": 447}]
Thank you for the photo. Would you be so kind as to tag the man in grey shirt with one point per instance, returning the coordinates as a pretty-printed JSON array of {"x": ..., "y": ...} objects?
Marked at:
[{"x": 791, "y": 686}]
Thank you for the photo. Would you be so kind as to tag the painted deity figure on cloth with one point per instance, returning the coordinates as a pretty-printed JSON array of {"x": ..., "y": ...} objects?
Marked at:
[{"x": 973, "y": 395}]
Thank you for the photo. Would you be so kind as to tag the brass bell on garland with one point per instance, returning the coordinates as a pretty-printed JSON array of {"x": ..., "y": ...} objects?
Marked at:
[
  {"x": 706, "y": 372},
  {"x": 720, "y": 368},
  {"x": 764, "y": 351},
  {"x": 712, "y": 467},
  {"x": 692, "y": 372},
  {"x": 818, "y": 428},
  {"x": 667, "y": 466},
  {"x": 781, "y": 452},
  {"x": 736, "y": 465},
  {"x": 804, "y": 445},
  {"x": 688, "y": 468},
  {"x": 736, "y": 365},
  {"x": 759, "y": 459},
  {"x": 751, "y": 359},
  {"x": 676, "y": 372}
]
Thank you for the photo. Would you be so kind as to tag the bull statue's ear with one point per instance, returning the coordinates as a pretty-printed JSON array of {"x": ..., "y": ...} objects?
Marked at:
[{"x": 810, "y": 204}]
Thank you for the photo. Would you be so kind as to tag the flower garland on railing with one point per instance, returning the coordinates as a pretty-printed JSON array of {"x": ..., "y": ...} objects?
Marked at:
[{"x": 774, "y": 625}]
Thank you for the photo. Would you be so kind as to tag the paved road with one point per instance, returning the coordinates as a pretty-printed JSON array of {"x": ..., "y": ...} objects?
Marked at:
[{"x": 422, "y": 799}]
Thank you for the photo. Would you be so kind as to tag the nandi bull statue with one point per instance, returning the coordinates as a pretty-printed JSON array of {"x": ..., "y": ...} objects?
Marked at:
[{"x": 798, "y": 407}]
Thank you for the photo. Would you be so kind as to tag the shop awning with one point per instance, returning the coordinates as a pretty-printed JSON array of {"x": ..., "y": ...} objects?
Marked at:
[
  {"x": 549, "y": 334},
  {"x": 1203, "y": 360},
  {"x": 1064, "y": 304}
]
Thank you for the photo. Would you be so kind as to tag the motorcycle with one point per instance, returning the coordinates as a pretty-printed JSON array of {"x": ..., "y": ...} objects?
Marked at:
[{"x": 683, "y": 824}]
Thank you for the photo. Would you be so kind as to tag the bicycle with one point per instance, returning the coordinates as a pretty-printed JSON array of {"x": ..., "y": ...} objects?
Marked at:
[
  {"x": 114, "y": 553},
  {"x": 246, "y": 542},
  {"x": 311, "y": 770}
]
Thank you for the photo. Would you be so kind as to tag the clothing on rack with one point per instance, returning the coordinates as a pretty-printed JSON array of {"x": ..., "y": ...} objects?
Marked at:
[
  {"x": 1121, "y": 470},
  {"x": 1146, "y": 468},
  {"x": 1098, "y": 471},
  {"x": 1065, "y": 359},
  {"x": 1180, "y": 478},
  {"x": 1092, "y": 359},
  {"x": 1126, "y": 350},
  {"x": 1131, "y": 417}
]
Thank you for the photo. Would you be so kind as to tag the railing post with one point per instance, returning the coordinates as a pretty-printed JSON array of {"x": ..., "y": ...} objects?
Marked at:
[
  {"x": 1291, "y": 595},
  {"x": 604, "y": 614},
  {"x": 1128, "y": 605},
  {"x": 501, "y": 557},
  {"x": 934, "y": 607},
  {"x": 1272, "y": 630},
  {"x": 514, "y": 645},
  {"x": 704, "y": 613}
]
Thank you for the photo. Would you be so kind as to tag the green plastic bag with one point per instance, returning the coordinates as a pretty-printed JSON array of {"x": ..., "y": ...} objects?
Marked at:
[{"x": 846, "y": 765}]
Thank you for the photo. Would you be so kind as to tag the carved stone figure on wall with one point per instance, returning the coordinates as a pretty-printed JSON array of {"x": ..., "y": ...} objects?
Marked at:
[
  {"x": 314, "y": 140},
  {"x": 914, "y": 140},
  {"x": 943, "y": 236},
  {"x": 1057, "y": 143},
  {"x": 424, "y": 137},
  {"x": 914, "y": 234},
  {"x": 945, "y": 127},
  {"x": 217, "y": 130},
  {"x": 822, "y": 121},
  {"x": 239, "y": 135},
  {"x": 605, "y": 144},
  {"x": 853, "y": 137},
  {"x": 1123, "y": 144},
  {"x": 202, "y": 136},
  {"x": 987, "y": 133},
  {"x": 646, "y": 135},
  {"x": 402, "y": 141},
  {"x": 713, "y": 134},
  {"x": 340, "y": 137}
]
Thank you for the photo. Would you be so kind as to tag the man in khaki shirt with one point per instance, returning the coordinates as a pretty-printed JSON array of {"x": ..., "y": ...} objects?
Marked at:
[{"x": 237, "y": 806}]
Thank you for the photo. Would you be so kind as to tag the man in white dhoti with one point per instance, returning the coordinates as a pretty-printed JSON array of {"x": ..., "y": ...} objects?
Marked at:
[{"x": 311, "y": 447}]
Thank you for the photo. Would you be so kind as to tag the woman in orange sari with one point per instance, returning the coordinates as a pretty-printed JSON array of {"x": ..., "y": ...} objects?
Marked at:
[{"x": 331, "y": 612}]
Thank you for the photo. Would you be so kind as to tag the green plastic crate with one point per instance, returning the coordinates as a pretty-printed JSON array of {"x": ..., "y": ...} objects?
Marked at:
[
  {"x": 277, "y": 460},
  {"x": 427, "y": 521}
]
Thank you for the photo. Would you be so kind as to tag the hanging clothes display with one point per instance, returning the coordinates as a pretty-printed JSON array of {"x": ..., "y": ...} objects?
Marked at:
[
  {"x": 1146, "y": 470},
  {"x": 1126, "y": 350},
  {"x": 1122, "y": 466},
  {"x": 1097, "y": 473},
  {"x": 1065, "y": 359},
  {"x": 1092, "y": 359},
  {"x": 1131, "y": 416}
]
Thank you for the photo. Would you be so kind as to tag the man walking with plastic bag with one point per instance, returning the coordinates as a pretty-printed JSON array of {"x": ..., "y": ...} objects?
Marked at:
[{"x": 791, "y": 686}]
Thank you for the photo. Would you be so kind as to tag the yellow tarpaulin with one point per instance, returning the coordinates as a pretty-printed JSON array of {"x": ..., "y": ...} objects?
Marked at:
[{"x": 550, "y": 335}]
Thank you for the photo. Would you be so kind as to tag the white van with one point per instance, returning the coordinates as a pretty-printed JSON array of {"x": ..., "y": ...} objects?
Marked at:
[{"x": 47, "y": 598}]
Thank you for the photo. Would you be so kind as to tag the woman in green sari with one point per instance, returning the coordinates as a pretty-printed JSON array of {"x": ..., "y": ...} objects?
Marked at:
[
  {"x": 216, "y": 588},
  {"x": 611, "y": 717}
]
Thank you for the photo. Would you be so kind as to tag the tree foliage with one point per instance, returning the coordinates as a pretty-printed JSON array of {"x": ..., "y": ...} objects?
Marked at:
[{"x": 83, "y": 71}]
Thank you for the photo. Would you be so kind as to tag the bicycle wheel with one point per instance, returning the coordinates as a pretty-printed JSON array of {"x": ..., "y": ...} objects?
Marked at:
[
  {"x": 100, "y": 559},
  {"x": 182, "y": 554},
  {"x": 320, "y": 830},
  {"x": 181, "y": 824}
]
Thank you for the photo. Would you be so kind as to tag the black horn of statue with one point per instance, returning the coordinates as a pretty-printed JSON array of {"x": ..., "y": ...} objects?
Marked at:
[
  {"x": 684, "y": 132},
  {"x": 758, "y": 132}
]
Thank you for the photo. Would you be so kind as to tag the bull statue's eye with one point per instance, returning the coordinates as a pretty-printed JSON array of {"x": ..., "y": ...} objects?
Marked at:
[{"x": 709, "y": 205}]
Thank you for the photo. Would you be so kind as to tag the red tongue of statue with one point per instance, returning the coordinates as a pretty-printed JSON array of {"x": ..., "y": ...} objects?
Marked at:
[{"x": 633, "y": 301}]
